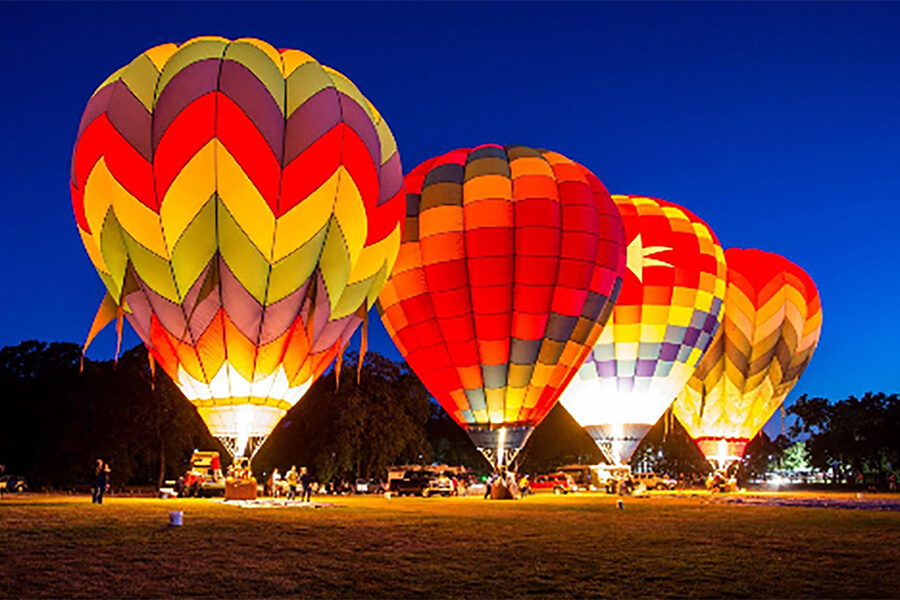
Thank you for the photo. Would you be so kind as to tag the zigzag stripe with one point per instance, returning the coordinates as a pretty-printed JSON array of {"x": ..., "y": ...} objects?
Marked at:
[
  {"x": 772, "y": 324},
  {"x": 240, "y": 179}
]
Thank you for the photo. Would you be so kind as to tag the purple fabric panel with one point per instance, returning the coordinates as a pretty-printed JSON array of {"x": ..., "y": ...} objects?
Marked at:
[
  {"x": 169, "y": 314},
  {"x": 645, "y": 368},
  {"x": 140, "y": 315},
  {"x": 390, "y": 179},
  {"x": 313, "y": 119},
  {"x": 242, "y": 308},
  {"x": 690, "y": 337},
  {"x": 333, "y": 331},
  {"x": 359, "y": 121},
  {"x": 189, "y": 84},
  {"x": 131, "y": 119},
  {"x": 668, "y": 352},
  {"x": 606, "y": 369},
  {"x": 253, "y": 97},
  {"x": 711, "y": 324},
  {"x": 279, "y": 317},
  {"x": 204, "y": 313},
  {"x": 96, "y": 106},
  {"x": 323, "y": 309},
  {"x": 136, "y": 326}
]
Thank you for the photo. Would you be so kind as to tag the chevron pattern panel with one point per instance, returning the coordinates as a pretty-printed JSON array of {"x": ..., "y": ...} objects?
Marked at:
[
  {"x": 772, "y": 323},
  {"x": 511, "y": 261},
  {"x": 244, "y": 206},
  {"x": 664, "y": 320}
]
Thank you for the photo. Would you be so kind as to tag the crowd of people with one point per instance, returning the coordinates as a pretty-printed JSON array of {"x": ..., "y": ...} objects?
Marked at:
[{"x": 287, "y": 485}]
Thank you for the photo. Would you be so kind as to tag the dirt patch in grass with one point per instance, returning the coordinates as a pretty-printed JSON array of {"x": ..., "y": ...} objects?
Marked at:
[{"x": 544, "y": 546}]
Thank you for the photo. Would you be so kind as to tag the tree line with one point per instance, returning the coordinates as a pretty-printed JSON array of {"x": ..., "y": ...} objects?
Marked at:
[{"x": 59, "y": 416}]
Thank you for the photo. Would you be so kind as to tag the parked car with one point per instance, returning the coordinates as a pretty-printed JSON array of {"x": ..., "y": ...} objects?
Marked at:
[
  {"x": 371, "y": 486},
  {"x": 13, "y": 483},
  {"x": 654, "y": 481},
  {"x": 439, "y": 486},
  {"x": 558, "y": 483},
  {"x": 413, "y": 483}
]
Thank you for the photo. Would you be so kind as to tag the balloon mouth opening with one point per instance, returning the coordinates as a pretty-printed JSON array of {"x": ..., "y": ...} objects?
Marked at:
[
  {"x": 618, "y": 441},
  {"x": 500, "y": 445},
  {"x": 722, "y": 452},
  {"x": 242, "y": 446}
]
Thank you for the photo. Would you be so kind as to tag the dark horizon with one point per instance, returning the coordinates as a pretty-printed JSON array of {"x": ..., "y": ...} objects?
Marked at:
[{"x": 775, "y": 123}]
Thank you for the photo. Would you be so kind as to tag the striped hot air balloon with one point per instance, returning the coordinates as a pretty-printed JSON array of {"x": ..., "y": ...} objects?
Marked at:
[
  {"x": 243, "y": 207},
  {"x": 773, "y": 319},
  {"x": 665, "y": 318},
  {"x": 510, "y": 263}
]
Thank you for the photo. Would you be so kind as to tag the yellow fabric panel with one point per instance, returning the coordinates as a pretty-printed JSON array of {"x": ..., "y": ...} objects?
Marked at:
[
  {"x": 188, "y": 193},
  {"x": 246, "y": 205},
  {"x": 151, "y": 268},
  {"x": 680, "y": 315},
  {"x": 305, "y": 220},
  {"x": 350, "y": 213},
  {"x": 195, "y": 248},
  {"x": 386, "y": 138},
  {"x": 141, "y": 76},
  {"x": 353, "y": 296},
  {"x": 291, "y": 59},
  {"x": 161, "y": 54},
  {"x": 138, "y": 219},
  {"x": 334, "y": 263},
  {"x": 97, "y": 197},
  {"x": 373, "y": 257},
  {"x": 292, "y": 271},
  {"x": 114, "y": 253},
  {"x": 242, "y": 256}
]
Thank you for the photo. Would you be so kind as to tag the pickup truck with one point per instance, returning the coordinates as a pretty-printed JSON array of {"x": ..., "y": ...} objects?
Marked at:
[{"x": 413, "y": 483}]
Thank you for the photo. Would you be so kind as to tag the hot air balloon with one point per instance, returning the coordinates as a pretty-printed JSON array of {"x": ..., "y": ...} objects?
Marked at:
[
  {"x": 511, "y": 260},
  {"x": 243, "y": 207},
  {"x": 665, "y": 318},
  {"x": 773, "y": 318}
]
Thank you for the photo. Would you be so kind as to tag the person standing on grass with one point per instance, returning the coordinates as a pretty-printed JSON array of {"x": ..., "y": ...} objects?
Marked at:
[
  {"x": 292, "y": 479},
  {"x": 99, "y": 483},
  {"x": 306, "y": 481}
]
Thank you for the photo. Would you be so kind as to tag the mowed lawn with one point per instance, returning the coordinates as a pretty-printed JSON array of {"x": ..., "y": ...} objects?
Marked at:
[{"x": 545, "y": 546}]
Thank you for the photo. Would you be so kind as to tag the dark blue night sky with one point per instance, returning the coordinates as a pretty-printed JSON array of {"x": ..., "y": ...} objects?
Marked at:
[{"x": 779, "y": 124}]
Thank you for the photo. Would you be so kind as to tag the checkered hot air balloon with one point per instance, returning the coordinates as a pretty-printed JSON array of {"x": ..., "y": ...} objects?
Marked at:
[
  {"x": 243, "y": 206},
  {"x": 773, "y": 319},
  {"x": 665, "y": 318},
  {"x": 510, "y": 263}
]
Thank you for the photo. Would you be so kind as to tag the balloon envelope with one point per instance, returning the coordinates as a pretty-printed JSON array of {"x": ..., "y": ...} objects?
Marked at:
[
  {"x": 243, "y": 207},
  {"x": 773, "y": 319},
  {"x": 510, "y": 262},
  {"x": 663, "y": 321}
]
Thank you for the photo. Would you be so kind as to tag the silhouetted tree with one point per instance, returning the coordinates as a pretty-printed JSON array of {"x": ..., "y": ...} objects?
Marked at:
[{"x": 850, "y": 436}]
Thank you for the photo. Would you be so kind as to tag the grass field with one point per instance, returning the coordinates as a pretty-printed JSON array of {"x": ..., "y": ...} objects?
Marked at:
[{"x": 544, "y": 546}]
